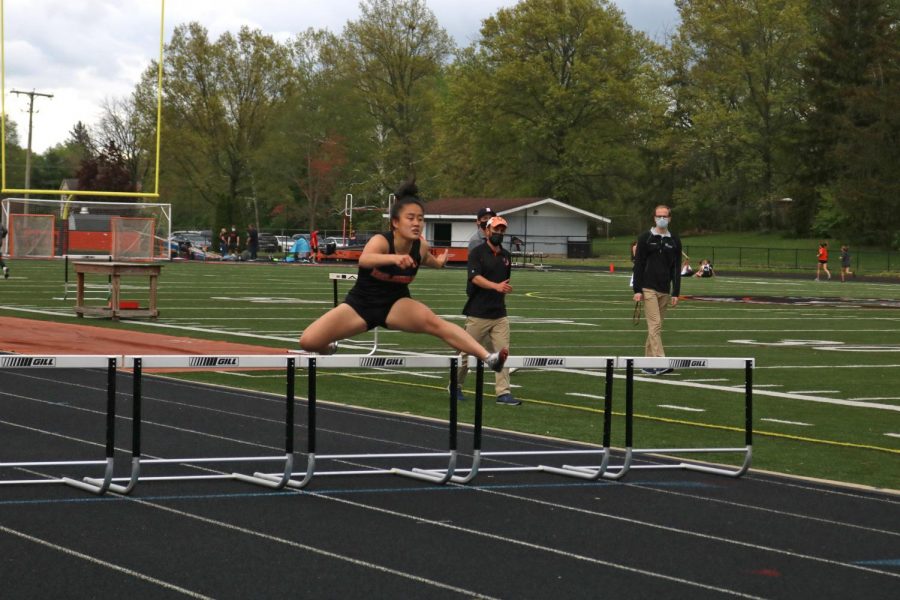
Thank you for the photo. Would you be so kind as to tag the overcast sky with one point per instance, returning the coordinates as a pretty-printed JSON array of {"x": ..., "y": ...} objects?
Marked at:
[{"x": 83, "y": 51}]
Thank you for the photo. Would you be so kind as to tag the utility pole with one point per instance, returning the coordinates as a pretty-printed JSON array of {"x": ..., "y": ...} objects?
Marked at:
[{"x": 31, "y": 96}]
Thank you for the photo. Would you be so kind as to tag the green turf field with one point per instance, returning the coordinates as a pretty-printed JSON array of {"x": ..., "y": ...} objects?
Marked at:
[{"x": 827, "y": 400}]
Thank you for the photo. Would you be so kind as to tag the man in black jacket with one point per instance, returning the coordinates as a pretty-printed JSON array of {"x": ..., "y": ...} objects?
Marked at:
[
  {"x": 489, "y": 270},
  {"x": 657, "y": 278}
]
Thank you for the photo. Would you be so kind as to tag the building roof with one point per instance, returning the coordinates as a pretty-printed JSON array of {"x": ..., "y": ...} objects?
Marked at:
[
  {"x": 470, "y": 206},
  {"x": 456, "y": 208}
]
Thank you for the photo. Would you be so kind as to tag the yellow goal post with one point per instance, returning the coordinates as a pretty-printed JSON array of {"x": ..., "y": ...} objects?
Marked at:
[{"x": 7, "y": 190}]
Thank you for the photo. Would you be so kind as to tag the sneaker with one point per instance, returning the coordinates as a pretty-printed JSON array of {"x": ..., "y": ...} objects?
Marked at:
[
  {"x": 496, "y": 360},
  {"x": 651, "y": 371},
  {"x": 664, "y": 371},
  {"x": 508, "y": 399},
  {"x": 460, "y": 397},
  {"x": 5, "y": 272}
]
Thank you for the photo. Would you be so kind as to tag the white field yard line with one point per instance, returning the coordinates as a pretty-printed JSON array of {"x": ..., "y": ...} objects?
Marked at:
[
  {"x": 685, "y": 408},
  {"x": 740, "y": 390},
  {"x": 800, "y": 423}
]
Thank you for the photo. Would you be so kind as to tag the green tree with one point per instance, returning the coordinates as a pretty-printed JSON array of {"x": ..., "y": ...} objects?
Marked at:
[
  {"x": 218, "y": 99},
  {"x": 394, "y": 54},
  {"x": 738, "y": 105},
  {"x": 854, "y": 85},
  {"x": 319, "y": 139},
  {"x": 557, "y": 98}
]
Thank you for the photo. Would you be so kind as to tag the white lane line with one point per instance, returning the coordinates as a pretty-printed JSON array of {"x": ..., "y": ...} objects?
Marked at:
[
  {"x": 549, "y": 549},
  {"x": 592, "y": 396},
  {"x": 877, "y": 398},
  {"x": 814, "y": 391},
  {"x": 91, "y": 559},
  {"x": 706, "y": 380},
  {"x": 308, "y": 548},
  {"x": 674, "y": 407},
  {"x": 691, "y": 533},
  {"x": 800, "y": 423},
  {"x": 895, "y": 435}
]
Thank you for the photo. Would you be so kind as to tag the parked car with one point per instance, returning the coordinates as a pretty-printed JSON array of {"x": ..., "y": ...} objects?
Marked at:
[
  {"x": 285, "y": 242},
  {"x": 268, "y": 243},
  {"x": 198, "y": 239}
]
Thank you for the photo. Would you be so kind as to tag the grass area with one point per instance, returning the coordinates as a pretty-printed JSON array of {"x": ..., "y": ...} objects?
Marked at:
[{"x": 827, "y": 402}]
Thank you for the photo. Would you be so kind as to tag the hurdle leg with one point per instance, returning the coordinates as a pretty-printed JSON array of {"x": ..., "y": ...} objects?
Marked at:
[
  {"x": 621, "y": 470},
  {"x": 476, "y": 434},
  {"x": 100, "y": 486},
  {"x": 271, "y": 482},
  {"x": 428, "y": 475},
  {"x": 136, "y": 394},
  {"x": 592, "y": 473}
]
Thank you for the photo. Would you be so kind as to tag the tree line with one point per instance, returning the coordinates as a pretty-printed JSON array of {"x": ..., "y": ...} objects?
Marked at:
[{"x": 774, "y": 115}]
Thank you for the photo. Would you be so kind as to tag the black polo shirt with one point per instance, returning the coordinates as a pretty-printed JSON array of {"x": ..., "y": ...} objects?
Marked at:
[{"x": 484, "y": 303}]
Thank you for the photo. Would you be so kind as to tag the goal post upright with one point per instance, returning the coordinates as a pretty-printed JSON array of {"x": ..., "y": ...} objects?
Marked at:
[{"x": 95, "y": 193}]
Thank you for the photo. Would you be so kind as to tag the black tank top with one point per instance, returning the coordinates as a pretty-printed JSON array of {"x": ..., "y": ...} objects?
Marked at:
[{"x": 386, "y": 284}]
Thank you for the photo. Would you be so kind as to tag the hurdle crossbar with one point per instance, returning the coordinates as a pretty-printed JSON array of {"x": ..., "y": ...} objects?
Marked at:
[
  {"x": 632, "y": 363},
  {"x": 100, "y": 485},
  {"x": 279, "y": 361},
  {"x": 313, "y": 363},
  {"x": 540, "y": 362}
]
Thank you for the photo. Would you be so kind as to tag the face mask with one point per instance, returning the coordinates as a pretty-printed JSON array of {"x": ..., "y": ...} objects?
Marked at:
[
  {"x": 496, "y": 239},
  {"x": 662, "y": 222},
  {"x": 482, "y": 224}
]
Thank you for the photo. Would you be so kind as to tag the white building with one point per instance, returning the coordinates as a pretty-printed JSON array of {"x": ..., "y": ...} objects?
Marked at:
[{"x": 539, "y": 225}]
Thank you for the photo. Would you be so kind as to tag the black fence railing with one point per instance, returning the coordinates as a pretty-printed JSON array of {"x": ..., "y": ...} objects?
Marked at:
[{"x": 866, "y": 261}]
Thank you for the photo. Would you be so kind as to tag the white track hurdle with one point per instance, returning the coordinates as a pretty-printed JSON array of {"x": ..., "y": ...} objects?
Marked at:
[
  {"x": 97, "y": 486},
  {"x": 606, "y": 363},
  {"x": 312, "y": 363},
  {"x": 291, "y": 362},
  {"x": 200, "y": 362},
  {"x": 632, "y": 363}
]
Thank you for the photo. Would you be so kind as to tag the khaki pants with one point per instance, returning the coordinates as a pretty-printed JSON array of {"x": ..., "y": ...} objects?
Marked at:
[
  {"x": 493, "y": 334},
  {"x": 655, "y": 305}
]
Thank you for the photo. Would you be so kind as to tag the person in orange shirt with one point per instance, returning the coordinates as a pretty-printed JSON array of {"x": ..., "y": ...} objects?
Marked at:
[{"x": 822, "y": 256}]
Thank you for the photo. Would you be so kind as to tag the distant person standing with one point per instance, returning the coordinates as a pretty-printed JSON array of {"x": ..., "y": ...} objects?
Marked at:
[
  {"x": 314, "y": 245},
  {"x": 233, "y": 240},
  {"x": 3, "y": 233},
  {"x": 223, "y": 242},
  {"x": 252, "y": 241},
  {"x": 822, "y": 258},
  {"x": 481, "y": 220},
  {"x": 490, "y": 267},
  {"x": 845, "y": 262},
  {"x": 657, "y": 278}
]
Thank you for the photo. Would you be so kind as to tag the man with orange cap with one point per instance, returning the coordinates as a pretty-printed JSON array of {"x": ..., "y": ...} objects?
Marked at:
[{"x": 490, "y": 267}]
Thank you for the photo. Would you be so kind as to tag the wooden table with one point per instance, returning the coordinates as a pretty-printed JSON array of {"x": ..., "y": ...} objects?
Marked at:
[{"x": 115, "y": 271}]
